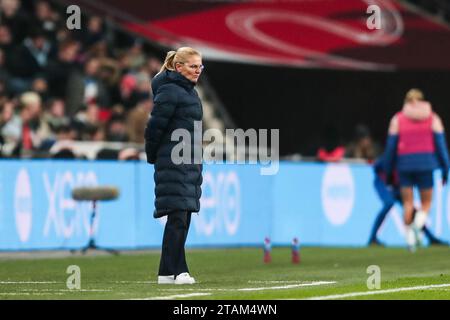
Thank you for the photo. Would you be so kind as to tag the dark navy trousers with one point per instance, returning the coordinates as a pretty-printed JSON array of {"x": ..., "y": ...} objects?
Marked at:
[{"x": 173, "y": 256}]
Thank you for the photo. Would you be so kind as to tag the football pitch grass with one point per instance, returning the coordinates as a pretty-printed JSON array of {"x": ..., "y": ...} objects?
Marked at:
[{"x": 238, "y": 274}]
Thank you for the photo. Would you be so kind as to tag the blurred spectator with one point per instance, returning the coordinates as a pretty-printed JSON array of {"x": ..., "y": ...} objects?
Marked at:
[
  {"x": 94, "y": 133},
  {"x": 109, "y": 75},
  {"x": 3, "y": 92},
  {"x": 128, "y": 154},
  {"x": 127, "y": 87},
  {"x": 6, "y": 119},
  {"x": 59, "y": 69},
  {"x": 65, "y": 132},
  {"x": 64, "y": 34},
  {"x": 107, "y": 154},
  {"x": 29, "y": 60},
  {"x": 6, "y": 43},
  {"x": 89, "y": 116},
  {"x": 40, "y": 86},
  {"x": 64, "y": 153},
  {"x": 143, "y": 83},
  {"x": 6, "y": 114},
  {"x": 116, "y": 130},
  {"x": 16, "y": 19},
  {"x": 123, "y": 60},
  {"x": 362, "y": 146},
  {"x": 136, "y": 55},
  {"x": 27, "y": 129},
  {"x": 99, "y": 50},
  {"x": 55, "y": 115},
  {"x": 137, "y": 119},
  {"x": 95, "y": 83},
  {"x": 39, "y": 129},
  {"x": 332, "y": 149},
  {"x": 86, "y": 87},
  {"x": 94, "y": 31},
  {"x": 4, "y": 77},
  {"x": 46, "y": 18},
  {"x": 134, "y": 87},
  {"x": 109, "y": 71},
  {"x": 153, "y": 65}
]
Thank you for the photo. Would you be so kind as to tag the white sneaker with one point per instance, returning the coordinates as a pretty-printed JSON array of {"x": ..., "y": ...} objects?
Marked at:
[
  {"x": 184, "y": 278},
  {"x": 418, "y": 235},
  {"x": 166, "y": 279}
]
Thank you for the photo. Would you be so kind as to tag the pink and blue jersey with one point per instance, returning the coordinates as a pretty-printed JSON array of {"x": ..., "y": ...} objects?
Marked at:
[{"x": 416, "y": 147}]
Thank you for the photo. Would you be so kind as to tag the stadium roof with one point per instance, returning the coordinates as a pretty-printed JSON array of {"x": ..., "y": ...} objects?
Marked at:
[{"x": 301, "y": 33}]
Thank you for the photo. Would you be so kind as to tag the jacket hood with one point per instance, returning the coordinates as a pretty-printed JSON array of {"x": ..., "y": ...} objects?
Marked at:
[
  {"x": 417, "y": 110},
  {"x": 168, "y": 76}
]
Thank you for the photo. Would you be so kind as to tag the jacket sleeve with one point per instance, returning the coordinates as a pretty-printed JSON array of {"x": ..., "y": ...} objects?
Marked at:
[
  {"x": 442, "y": 152},
  {"x": 441, "y": 145},
  {"x": 390, "y": 153},
  {"x": 164, "y": 107},
  {"x": 378, "y": 168}
]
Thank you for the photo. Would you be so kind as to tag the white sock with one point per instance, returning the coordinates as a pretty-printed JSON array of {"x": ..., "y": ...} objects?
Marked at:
[
  {"x": 410, "y": 236},
  {"x": 420, "y": 219}
]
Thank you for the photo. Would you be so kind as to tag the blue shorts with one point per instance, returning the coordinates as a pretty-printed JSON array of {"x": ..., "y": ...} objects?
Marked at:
[{"x": 420, "y": 179}]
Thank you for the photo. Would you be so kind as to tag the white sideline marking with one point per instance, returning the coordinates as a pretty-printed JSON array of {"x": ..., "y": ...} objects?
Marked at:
[
  {"x": 318, "y": 283},
  {"x": 290, "y": 286},
  {"x": 28, "y": 293},
  {"x": 195, "y": 294},
  {"x": 66, "y": 290},
  {"x": 196, "y": 289},
  {"x": 139, "y": 282},
  {"x": 43, "y": 292},
  {"x": 28, "y": 282},
  {"x": 175, "y": 296},
  {"x": 368, "y": 293},
  {"x": 274, "y": 281}
]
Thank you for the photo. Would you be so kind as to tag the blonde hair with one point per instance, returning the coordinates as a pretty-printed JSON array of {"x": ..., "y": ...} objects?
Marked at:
[
  {"x": 414, "y": 94},
  {"x": 30, "y": 97},
  {"x": 179, "y": 56}
]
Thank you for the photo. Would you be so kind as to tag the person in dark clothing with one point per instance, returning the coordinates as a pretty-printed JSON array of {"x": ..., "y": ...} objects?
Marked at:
[
  {"x": 362, "y": 145},
  {"x": 60, "y": 70},
  {"x": 6, "y": 41},
  {"x": 13, "y": 15},
  {"x": 177, "y": 184},
  {"x": 390, "y": 194},
  {"x": 33, "y": 55},
  {"x": 46, "y": 18},
  {"x": 116, "y": 130}
]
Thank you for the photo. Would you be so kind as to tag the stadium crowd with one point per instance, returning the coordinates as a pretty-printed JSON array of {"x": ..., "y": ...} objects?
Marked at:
[
  {"x": 56, "y": 84},
  {"x": 59, "y": 86}
]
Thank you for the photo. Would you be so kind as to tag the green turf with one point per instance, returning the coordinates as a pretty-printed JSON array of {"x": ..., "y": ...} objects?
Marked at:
[{"x": 223, "y": 272}]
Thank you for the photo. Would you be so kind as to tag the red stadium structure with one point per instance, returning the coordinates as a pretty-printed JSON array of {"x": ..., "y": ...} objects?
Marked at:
[{"x": 320, "y": 33}]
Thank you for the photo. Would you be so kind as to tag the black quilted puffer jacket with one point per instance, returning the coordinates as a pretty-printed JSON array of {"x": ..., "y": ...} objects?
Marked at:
[{"x": 176, "y": 106}]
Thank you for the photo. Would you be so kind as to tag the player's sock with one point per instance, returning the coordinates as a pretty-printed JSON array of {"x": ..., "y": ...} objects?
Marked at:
[
  {"x": 420, "y": 219},
  {"x": 410, "y": 237}
]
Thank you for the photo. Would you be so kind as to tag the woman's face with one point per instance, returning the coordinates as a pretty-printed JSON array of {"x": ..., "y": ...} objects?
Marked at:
[{"x": 191, "y": 69}]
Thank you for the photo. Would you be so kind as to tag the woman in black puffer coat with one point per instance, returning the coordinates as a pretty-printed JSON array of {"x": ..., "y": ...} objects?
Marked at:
[{"x": 177, "y": 108}]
